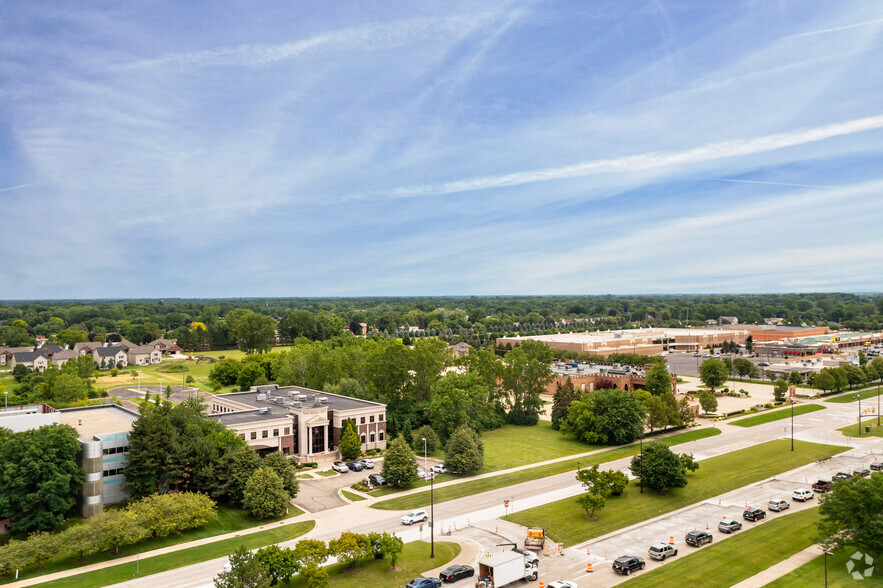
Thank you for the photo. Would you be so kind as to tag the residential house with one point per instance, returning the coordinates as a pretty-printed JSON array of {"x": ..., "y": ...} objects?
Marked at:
[
  {"x": 126, "y": 344},
  {"x": 86, "y": 348},
  {"x": 144, "y": 355},
  {"x": 6, "y": 353},
  {"x": 63, "y": 356},
  {"x": 165, "y": 346},
  {"x": 460, "y": 349},
  {"x": 110, "y": 357},
  {"x": 33, "y": 360},
  {"x": 727, "y": 320}
]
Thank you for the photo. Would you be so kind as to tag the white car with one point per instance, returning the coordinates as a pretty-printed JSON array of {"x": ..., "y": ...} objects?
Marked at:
[
  {"x": 561, "y": 584},
  {"x": 778, "y": 505},
  {"x": 368, "y": 464},
  {"x": 228, "y": 567},
  {"x": 802, "y": 495},
  {"x": 339, "y": 467},
  {"x": 439, "y": 468},
  {"x": 423, "y": 475},
  {"x": 417, "y": 516}
]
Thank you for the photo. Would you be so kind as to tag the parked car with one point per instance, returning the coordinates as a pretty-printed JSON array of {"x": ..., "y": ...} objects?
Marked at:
[
  {"x": 454, "y": 573},
  {"x": 423, "y": 475},
  {"x": 439, "y": 468},
  {"x": 561, "y": 584},
  {"x": 627, "y": 564},
  {"x": 821, "y": 486},
  {"x": 753, "y": 514},
  {"x": 876, "y": 466},
  {"x": 863, "y": 472},
  {"x": 354, "y": 466},
  {"x": 802, "y": 494},
  {"x": 417, "y": 516},
  {"x": 697, "y": 538},
  {"x": 778, "y": 505},
  {"x": 339, "y": 467},
  {"x": 661, "y": 551},
  {"x": 422, "y": 582},
  {"x": 376, "y": 480},
  {"x": 841, "y": 476},
  {"x": 368, "y": 464},
  {"x": 729, "y": 525}
]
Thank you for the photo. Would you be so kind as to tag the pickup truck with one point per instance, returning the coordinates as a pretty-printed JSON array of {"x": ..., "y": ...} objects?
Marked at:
[{"x": 821, "y": 486}]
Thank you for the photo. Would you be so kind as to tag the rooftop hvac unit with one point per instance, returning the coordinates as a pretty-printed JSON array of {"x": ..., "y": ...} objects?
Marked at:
[
  {"x": 302, "y": 397},
  {"x": 323, "y": 399},
  {"x": 264, "y": 410},
  {"x": 278, "y": 400},
  {"x": 261, "y": 397},
  {"x": 295, "y": 404}
]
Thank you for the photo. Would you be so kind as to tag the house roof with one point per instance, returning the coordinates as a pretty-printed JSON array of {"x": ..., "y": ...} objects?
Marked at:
[
  {"x": 27, "y": 356},
  {"x": 163, "y": 341},
  {"x": 126, "y": 344},
  {"x": 85, "y": 345},
  {"x": 108, "y": 351},
  {"x": 142, "y": 349},
  {"x": 15, "y": 349},
  {"x": 52, "y": 348},
  {"x": 65, "y": 354}
]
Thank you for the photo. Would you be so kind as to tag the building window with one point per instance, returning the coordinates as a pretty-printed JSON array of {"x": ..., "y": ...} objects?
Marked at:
[
  {"x": 285, "y": 451},
  {"x": 254, "y": 435},
  {"x": 275, "y": 432},
  {"x": 363, "y": 439},
  {"x": 371, "y": 420},
  {"x": 372, "y": 437},
  {"x": 363, "y": 421},
  {"x": 242, "y": 436},
  {"x": 381, "y": 435},
  {"x": 288, "y": 430},
  {"x": 380, "y": 418},
  {"x": 318, "y": 439},
  {"x": 265, "y": 434}
]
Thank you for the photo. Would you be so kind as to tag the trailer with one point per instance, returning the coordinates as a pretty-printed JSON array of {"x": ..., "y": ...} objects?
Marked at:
[
  {"x": 502, "y": 569},
  {"x": 536, "y": 538}
]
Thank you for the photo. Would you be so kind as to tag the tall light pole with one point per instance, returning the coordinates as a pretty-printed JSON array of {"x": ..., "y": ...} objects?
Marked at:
[
  {"x": 139, "y": 382},
  {"x": 859, "y": 414},
  {"x": 792, "y": 423},
  {"x": 827, "y": 554},
  {"x": 431, "y": 505},
  {"x": 160, "y": 387}
]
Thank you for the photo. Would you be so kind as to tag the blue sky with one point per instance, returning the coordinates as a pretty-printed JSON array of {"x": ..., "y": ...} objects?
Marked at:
[{"x": 313, "y": 148}]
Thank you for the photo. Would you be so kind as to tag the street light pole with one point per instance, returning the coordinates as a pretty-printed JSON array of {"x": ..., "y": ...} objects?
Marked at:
[
  {"x": 431, "y": 504},
  {"x": 859, "y": 414},
  {"x": 160, "y": 387},
  {"x": 139, "y": 382},
  {"x": 792, "y": 423},
  {"x": 827, "y": 554}
]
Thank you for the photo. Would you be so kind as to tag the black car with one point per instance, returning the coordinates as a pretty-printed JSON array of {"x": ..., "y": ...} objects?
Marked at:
[
  {"x": 354, "y": 466},
  {"x": 753, "y": 514},
  {"x": 627, "y": 564},
  {"x": 376, "y": 480},
  {"x": 841, "y": 476},
  {"x": 729, "y": 525},
  {"x": 863, "y": 472},
  {"x": 877, "y": 466},
  {"x": 697, "y": 538},
  {"x": 454, "y": 573}
]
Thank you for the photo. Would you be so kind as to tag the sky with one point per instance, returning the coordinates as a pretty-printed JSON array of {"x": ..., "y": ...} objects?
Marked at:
[{"x": 310, "y": 148}]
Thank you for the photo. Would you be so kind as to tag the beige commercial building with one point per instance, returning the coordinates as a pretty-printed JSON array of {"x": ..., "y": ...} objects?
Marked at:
[{"x": 641, "y": 341}]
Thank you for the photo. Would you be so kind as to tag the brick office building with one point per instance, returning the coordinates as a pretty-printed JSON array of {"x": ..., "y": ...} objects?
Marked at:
[{"x": 302, "y": 423}]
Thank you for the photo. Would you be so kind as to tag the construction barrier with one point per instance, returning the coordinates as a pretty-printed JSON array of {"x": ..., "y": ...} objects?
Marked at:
[
  {"x": 589, "y": 567},
  {"x": 671, "y": 539}
]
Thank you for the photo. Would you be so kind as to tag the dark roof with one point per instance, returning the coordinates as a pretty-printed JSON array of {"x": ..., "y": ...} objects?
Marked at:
[
  {"x": 291, "y": 393},
  {"x": 27, "y": 356},
  {"x": 249, "y": 416},
  {"x": 52, "y": 348},
  {"x": 108, "y": 351}
]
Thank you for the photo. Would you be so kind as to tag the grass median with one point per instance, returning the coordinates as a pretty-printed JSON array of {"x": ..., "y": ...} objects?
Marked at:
[
  {"x": 480, "y": 485},
  {"x": 743, "y": 555},
  {"x": 184, "y": 557},
  {"x": 376, "y": 573},
  {"x": 776, "y": 415},
  {"x": 565, "y": 521},
  {"x": 867, "y": 421},
  {"x": 229, "y": 520},
  {"x": 852, "y": 395},
  {"x": 813, "y": 573}
]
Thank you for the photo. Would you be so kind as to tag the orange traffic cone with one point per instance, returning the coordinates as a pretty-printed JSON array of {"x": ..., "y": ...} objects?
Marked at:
[
  {"x": 671, "y": 539},
  {"x": 542, "y": 585},
  {"x": 589, "y": 568}
]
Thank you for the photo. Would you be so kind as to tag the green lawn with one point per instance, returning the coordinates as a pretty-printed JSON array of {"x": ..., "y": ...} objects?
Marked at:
[
  {"x": 471, "y": 487},
  {"x": 564, "y": 521},
  {"x": 746, "y": 553},
  {"x": 850, "y": 395},
  {"x": 512, "y": 446},
  {"x": 812, "y": 573},
  {"x": 184, "y": 557},
  {"x": 327, "y": 473},
  {"x": 775, "y": 415},
  {"x": 352, "y": 495},
  {"x": 852, "y": 430},
  {"x": 229, "y": 520},
  {"x": 376, "y": 574}
]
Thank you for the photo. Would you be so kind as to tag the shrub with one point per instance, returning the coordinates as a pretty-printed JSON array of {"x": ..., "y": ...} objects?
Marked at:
[
  {"x": 768, "y": 405},
  {"x": 114, "y": 372}
]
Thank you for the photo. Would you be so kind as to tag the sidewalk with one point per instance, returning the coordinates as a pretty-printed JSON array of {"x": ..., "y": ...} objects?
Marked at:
[
  {"x": 469, "y": 552},
  {"x": 780, "y": 569}
]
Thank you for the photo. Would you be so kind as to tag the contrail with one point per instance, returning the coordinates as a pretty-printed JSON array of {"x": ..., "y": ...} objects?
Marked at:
[
  {"x": 646, "y": 161},
  {"x": 11, "y": 188},
  {"x": 843, "y": 28},
  {"x": 773, "y": 183}
]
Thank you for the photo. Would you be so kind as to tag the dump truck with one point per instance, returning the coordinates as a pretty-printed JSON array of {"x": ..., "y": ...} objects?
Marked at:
[
  {"x": 501, "y": 569},
  {"x": 536, "y": 538}
]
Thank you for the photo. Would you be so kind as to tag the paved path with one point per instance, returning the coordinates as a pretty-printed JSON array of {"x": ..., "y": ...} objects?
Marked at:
[{"x": 780, "y": 569}]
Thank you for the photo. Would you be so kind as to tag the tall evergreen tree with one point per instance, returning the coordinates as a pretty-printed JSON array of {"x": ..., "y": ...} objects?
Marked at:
[
  {"x": 564, "y": 395},
  {"x": 350, "y": 444}
]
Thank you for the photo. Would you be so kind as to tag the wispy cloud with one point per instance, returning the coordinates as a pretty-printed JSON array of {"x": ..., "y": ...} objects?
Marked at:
[
  {"x": 876, "y": 21},
  {"x": 19, "y": 187}
]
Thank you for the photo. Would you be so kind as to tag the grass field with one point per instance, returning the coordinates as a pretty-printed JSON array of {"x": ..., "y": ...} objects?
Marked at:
[
  {"x": 744, "y": 554},
  {"x": 564, "y": 521},
  {"x": 812, "y": 573},
  {"x": 852, "y": 430},
  {"x": 471, "y": 487},
  {"x": 776, "y": 415},
  {"x": 851, "y": 395},
  {"x": 512, "y": 446},
  {"x": 178, "y": 559},
  {"x": 376, "y": 574},
  {"x": 229, "y": 520},
  {"x": 352, "y": 495}
]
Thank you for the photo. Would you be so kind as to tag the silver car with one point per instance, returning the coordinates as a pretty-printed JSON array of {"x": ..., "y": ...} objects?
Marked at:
[{"x": 778, "y": 505}]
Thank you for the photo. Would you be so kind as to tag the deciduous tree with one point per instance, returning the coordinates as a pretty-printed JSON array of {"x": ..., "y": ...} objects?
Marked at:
[
  {"x": 246, "y": 571},
  {"x": 265, "y": 496},
  {"x": 713, "y": 373},
  {"x": 279, "y": 463},
  {"x": 707, "y": 401},
  {"x": 851, "y": 516},
  {"x": 464, "y": 452}
]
